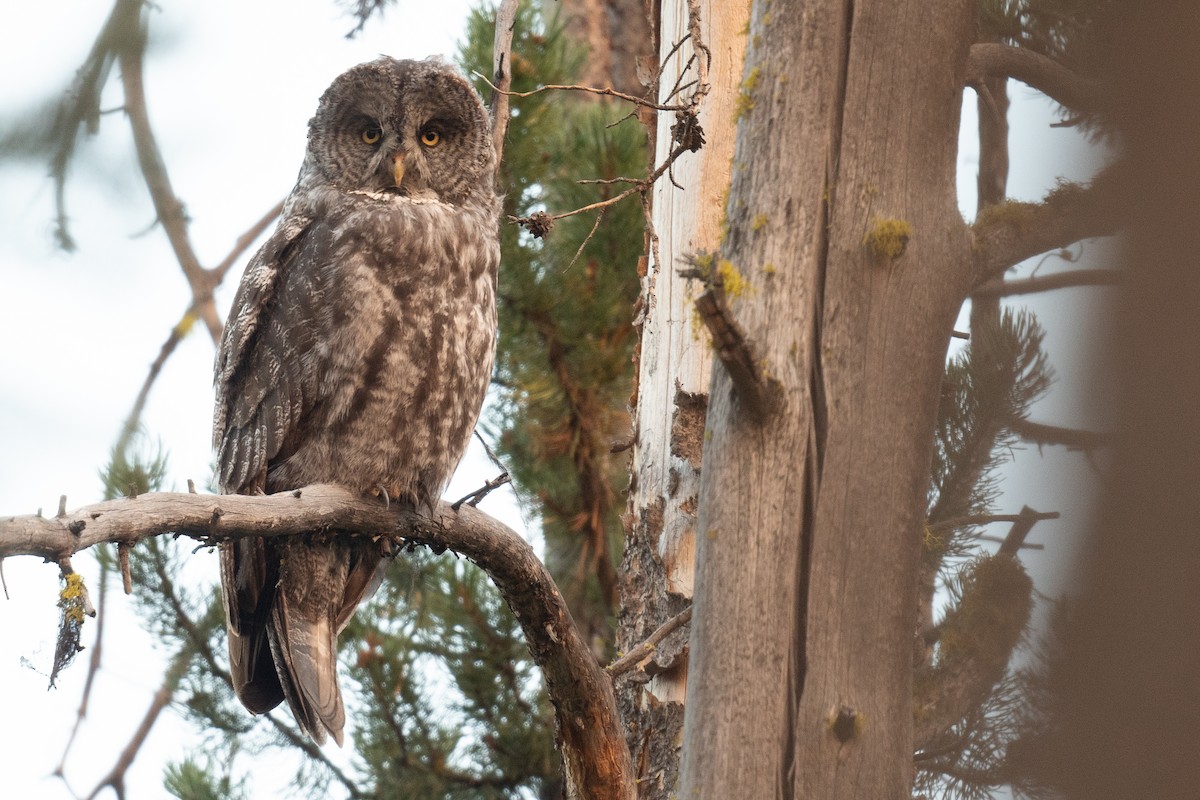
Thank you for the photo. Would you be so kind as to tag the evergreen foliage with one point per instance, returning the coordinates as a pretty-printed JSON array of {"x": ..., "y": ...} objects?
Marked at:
[
  {"x": 966, "y": 676},
  {"x": 564, "y": 368}
]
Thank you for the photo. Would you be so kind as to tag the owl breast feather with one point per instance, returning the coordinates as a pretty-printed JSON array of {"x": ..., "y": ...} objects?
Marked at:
[{"x": 400, "y": 299}]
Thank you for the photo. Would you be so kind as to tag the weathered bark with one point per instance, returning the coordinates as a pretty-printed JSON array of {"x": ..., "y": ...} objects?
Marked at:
[
  {"x": 674, "y": 373},
  {"x": 844, "y": 225}
]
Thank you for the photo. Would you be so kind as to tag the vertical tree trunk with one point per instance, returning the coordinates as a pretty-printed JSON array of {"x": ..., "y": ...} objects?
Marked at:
[
  {"x": 844, "y": 226},
  {"x": 674, "y": 374}
]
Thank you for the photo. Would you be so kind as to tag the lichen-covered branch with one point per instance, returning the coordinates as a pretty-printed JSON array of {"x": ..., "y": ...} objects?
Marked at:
[
  {"x": 1056, "y": 81},
  {"x": 757, "y": 391},
  {"x": 1008, "y": 233},
  {"x": 591, "y": 737}
]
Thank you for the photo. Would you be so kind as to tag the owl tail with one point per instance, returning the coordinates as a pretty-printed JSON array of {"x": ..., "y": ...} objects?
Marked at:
[{"x": 305, "y": 652}]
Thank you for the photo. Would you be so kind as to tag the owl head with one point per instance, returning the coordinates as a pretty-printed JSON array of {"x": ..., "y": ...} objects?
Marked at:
[{"x": 416, "y": 128}]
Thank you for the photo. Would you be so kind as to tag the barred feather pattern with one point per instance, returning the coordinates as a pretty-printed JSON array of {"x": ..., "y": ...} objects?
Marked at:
[{"x": 357, "y": 352}]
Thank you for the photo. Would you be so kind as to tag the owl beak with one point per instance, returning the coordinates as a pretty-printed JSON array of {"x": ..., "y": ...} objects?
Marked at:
[{"x": 398, "y": 168}]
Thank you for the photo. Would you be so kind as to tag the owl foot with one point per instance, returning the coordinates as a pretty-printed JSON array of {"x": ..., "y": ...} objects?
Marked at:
[{"x": 387, "y": 500}]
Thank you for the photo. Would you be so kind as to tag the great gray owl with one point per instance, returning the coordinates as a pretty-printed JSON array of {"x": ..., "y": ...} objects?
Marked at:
[{"x": 357, "y": 353}]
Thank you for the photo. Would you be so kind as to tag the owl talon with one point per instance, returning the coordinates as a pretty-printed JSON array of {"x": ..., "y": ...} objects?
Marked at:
[{"x": 387, "y": 500}]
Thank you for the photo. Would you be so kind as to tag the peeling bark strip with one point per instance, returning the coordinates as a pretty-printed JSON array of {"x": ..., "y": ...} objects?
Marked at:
[{"x": 590, "y": 736}]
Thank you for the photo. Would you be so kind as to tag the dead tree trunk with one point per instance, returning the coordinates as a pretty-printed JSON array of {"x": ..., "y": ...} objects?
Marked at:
[
  {"x": 674, "y": 373},
  {"x": 849, "y": 257}
]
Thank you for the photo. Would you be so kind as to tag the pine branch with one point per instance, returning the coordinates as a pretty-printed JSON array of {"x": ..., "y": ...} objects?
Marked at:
[
  {"x": 1051, "y": 78},
  {"x": 997, "y": 287},
  {"x": 592, "y": 739},
  {"x": 1071, "y": 438},
  {"x": 1008, "y": 233}
]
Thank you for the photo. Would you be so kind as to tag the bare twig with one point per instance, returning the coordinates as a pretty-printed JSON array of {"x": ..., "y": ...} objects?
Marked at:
[
  {"x": 988, "y": 519},
  {"x": 243, "y": 243},
  {"x": 115, "y": 779},
  {"x": 1022, "y": 525},
  {"x": 123, "y": 561},
  {"x": 167, "y": 206},
  {"x": 597, "y": 90},
  {"x": 647, "y": 647},
  {"x": 640, "y": 187},
  {"x": 310, "y": 749},
  {"x": 586, "y": 239},
  {"x": 488, "y": 487}
]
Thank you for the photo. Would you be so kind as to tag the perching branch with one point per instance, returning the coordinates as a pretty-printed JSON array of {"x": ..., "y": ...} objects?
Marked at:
[
  {"x": 592, "y": 740},
  {"x": 1056, "y": 81},
  {"x": 1008, "y": 233}
]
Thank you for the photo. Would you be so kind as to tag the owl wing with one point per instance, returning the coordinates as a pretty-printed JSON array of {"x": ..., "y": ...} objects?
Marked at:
[
  {"x": 260, "y": 396},
  {"x": 282, "y": 623}
]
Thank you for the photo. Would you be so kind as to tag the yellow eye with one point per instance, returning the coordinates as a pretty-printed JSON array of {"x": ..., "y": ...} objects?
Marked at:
[
  {"x": 430, "y": 138},
  {"x": 371, "y": 134}
]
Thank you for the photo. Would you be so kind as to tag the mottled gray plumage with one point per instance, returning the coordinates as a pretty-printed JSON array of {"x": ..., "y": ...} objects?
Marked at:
[{"x": 357, "y": 353}]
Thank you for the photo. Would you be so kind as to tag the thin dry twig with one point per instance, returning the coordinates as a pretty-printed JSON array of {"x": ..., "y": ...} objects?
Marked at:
[
  {"x": 476, "y": 496},
  {"x": 586, "y": 239},
  {"x": 597, "y": 90},
  {"x": 167, "y": 205},
  {"x": 645, "y": 649}
]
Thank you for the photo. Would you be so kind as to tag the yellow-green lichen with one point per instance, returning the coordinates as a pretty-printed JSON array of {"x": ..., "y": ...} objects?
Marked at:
[
  {"x": 745, "y": 98},
  {"x": 758, "y": 223},
  {"x": 888, "y": 238},
  {"x": 71, "y": 598},
  {"x": 732, "y": 279},
  {"x": 769, "y": 268},
  {"x": 1010, "y": 212}
]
